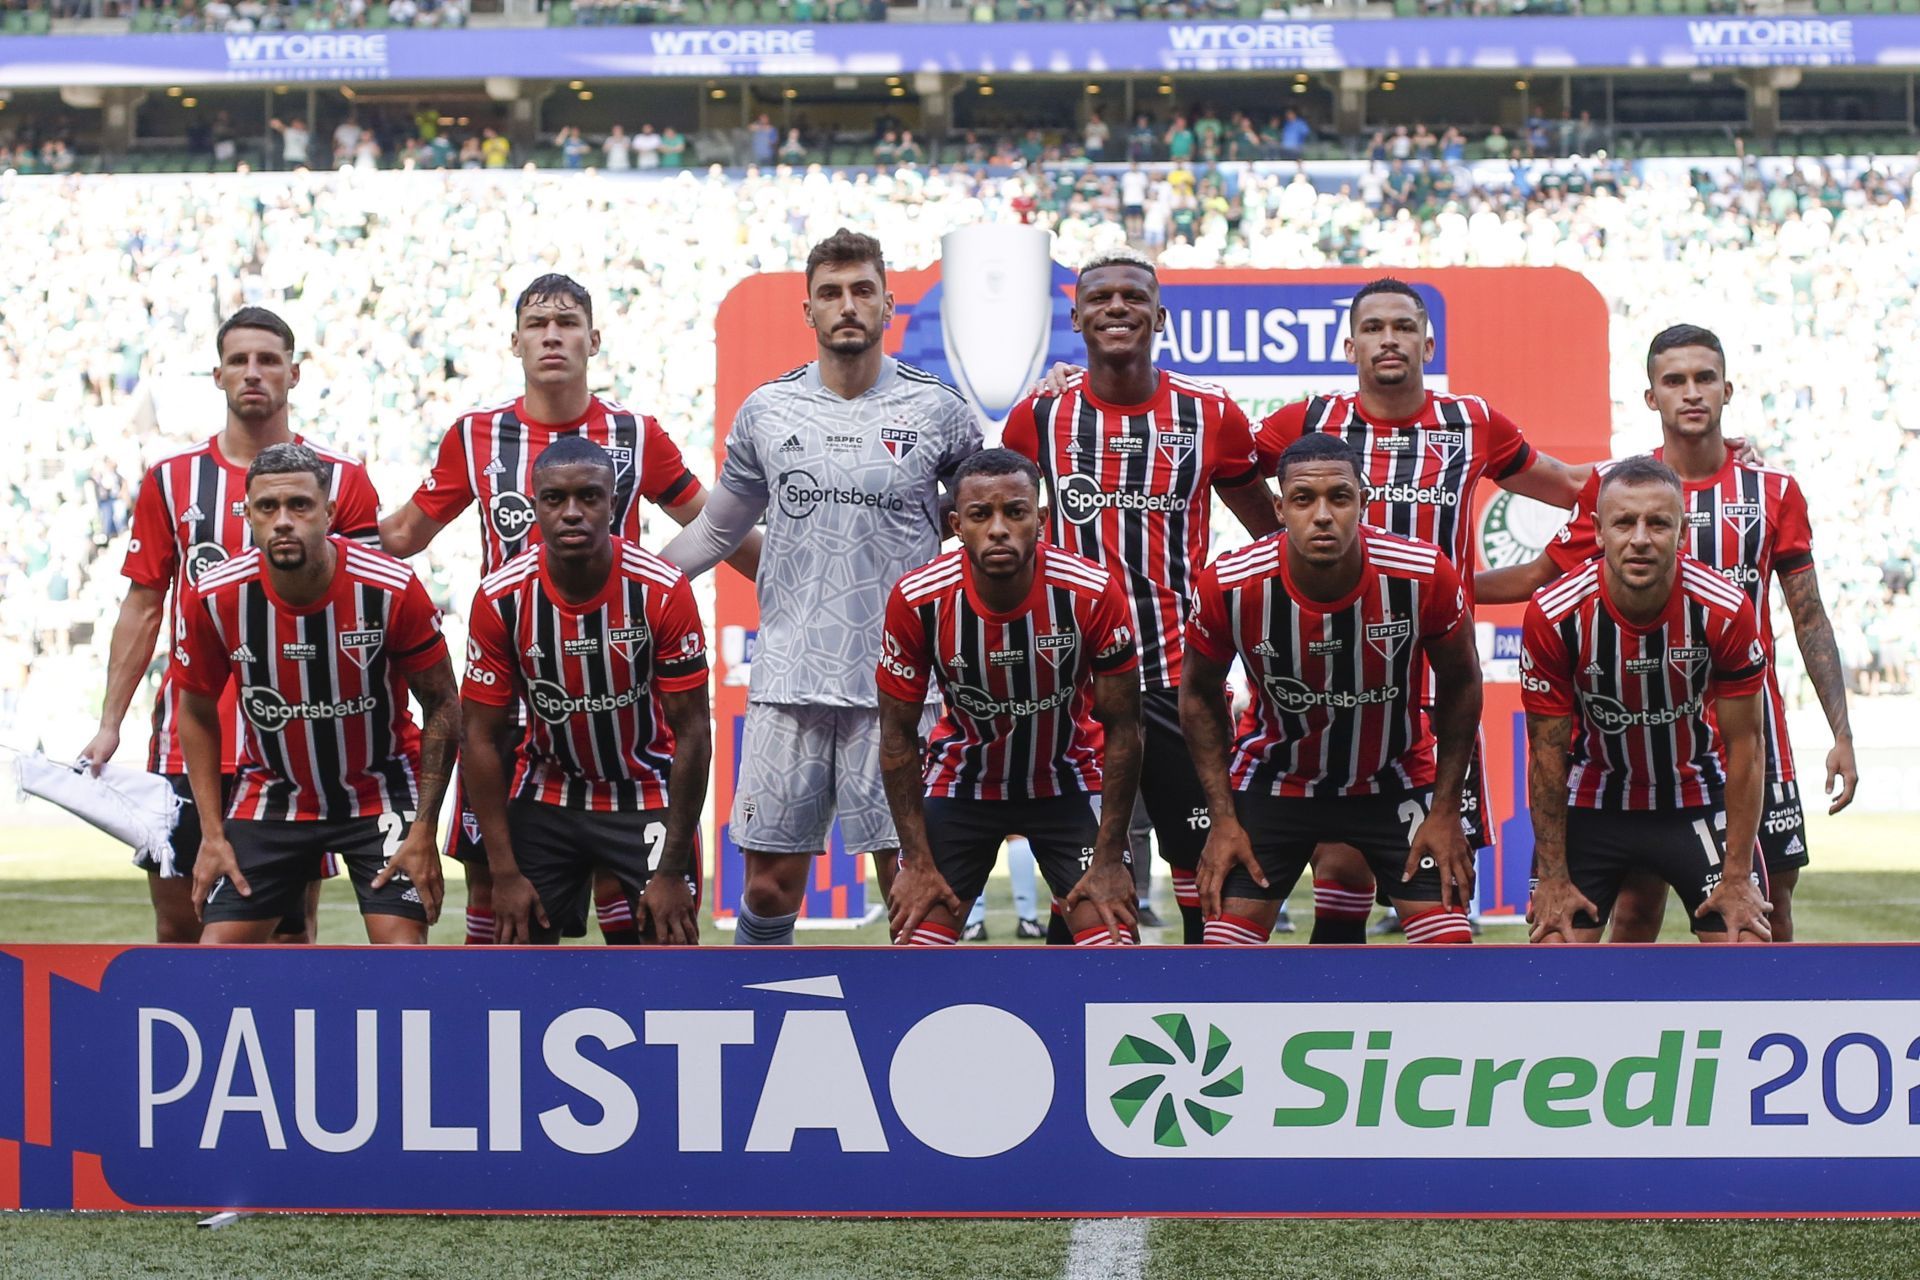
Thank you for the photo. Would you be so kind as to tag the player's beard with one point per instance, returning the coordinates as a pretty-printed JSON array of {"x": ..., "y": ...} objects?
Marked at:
[
  {"x": 1015, "y": 569},
  {"x": 290, "y": 558},
  {"x": 842, "y": 344},
  {"x": 254, "y": 410}
]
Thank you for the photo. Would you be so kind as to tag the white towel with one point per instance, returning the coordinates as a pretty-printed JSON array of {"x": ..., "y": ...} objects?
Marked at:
[{"x": 131, "y": 805}]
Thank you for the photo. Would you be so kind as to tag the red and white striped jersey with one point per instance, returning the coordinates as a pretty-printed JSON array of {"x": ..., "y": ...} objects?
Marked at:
[
  {"x": 1645, "y": 736},
  {"x": 1421, "y": 471},
  {"x": 1019, "y": 685},
  {"x": 1337, "y": 684},
  {"x": 190, "y": 515},
  {"x": 1127, "y": 486},
  {"x": 322, "y": 687},
  {"x": 488, "y": 456},
  {"x": 591, "y": 674},
  {"x": 1747, "y": 522}
]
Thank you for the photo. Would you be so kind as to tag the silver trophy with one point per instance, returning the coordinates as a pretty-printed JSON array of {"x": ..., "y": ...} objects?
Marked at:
[{"x": 996, "y": 311}]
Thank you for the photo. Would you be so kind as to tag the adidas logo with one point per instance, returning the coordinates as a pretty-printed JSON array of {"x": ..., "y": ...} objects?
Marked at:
[
  {"x": 494, "y": 468},
  {"x": 191, "y": 514},
  {"x": 1073, "y": 446},
  {"x": 791, "y": 444},
  {"x": 1795, "y": 847},
  {"x": 242, "y": 654},
  {"x": 1265, "y": 649},
  {"x": 1593, "y": 669},
  {"x": 535, "y": 651}
]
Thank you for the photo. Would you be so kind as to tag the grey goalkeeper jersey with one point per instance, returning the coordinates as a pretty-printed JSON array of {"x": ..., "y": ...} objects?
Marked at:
[{"x": 852, "y": 491}]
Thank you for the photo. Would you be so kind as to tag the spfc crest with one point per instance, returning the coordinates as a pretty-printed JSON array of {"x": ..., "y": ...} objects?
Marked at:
[
  {"x": 1055, "y": 646},
  {"x": 361, "y": 646},
  {"x": 1444, "y": 445},
  {"x": 1687, "y": 658},
  {"x": 622, "y": 456},
  {"x": 899, "y": 441},
  {"x": 628, "y": 639},
  {"x": 1175, "y": 446},
  {"x": 1741, "y": 517},
  {"x": 1385, "y": 638}
]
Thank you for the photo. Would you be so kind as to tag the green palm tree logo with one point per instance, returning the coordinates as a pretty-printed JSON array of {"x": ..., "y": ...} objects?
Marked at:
[{"x": 1131, "y": 1100}]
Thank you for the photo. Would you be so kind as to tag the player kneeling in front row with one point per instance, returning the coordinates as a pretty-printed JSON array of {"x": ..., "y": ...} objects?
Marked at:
[
  {"x": 323, "y": 639},
  {"x": 601, "y": 639},
  {"x": 1031, "y": 645},
  {"x": 1336, "y": 623},
  {"x": 1618, "y": 662}
]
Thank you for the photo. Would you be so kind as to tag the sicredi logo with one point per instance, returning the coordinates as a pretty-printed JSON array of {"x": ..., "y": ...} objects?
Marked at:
[{"x": 1494, "y": 1080}]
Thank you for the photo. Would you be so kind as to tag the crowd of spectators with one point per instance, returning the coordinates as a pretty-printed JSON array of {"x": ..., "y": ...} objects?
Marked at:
[{"x": 400, "y": 285}]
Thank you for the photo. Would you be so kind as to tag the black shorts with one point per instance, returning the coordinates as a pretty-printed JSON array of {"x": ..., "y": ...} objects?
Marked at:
[
  {"x": 1285, "y": 829},
  {"x": 280, "y": 858},
  {"x": 1684, "y": 847},
  {"x": 1473, "y": 800},
  {"x": 463, "y": 838},
  {"x": 965, "y": 838},
  {"x": 1783, "y": 827},
  {"x": 560, "y": 850},
  {"x": 1168, "y": 783}
]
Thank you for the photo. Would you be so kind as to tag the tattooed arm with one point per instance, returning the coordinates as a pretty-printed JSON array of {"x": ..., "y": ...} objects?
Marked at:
[{"x": 1822, "y": 658}]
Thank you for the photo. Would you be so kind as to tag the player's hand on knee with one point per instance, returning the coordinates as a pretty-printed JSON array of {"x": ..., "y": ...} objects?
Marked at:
[
  {"x": 1108, "y": 888},
  {"x": 1054, "y": 381},
  {"x": 214, "y": 861},
  {"x": 668, "y": 904},
  {"x": 917, "y": 890},
  {"x": 1741, "y": 909},
  {"x": 1227, "y": 846},
  {"x": 515, "y": 907},
  {"x": 1440, "y": 839},
  {"x": 1551, "y": 910}
]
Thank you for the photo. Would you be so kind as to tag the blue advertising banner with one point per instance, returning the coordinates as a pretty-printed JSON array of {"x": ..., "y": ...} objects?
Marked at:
[
  {"x": 1293, "y": 1080},
  {"x": 1491, "y": 44}
]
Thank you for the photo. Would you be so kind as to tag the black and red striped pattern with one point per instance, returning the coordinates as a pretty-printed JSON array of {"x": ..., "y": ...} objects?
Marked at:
[
  {"x": 191, "y": 515},
  {"x": 1018, "y": 685},
  {"x": 322, "y": 688},
  {"x": 1128, "y": 486},
  {"x": 1749, "y": 523},
  {"x": 1642, "y": 694},
  {"x": 487, "y": 456},
  {"x": 1337, "y": 685},
  {"x": 590, "y": 675},
  {"x": 1421, "y": 471}
]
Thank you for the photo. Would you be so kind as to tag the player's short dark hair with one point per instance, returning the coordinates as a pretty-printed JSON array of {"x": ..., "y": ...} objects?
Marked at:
[
  {"x": 253, "y": 318},
  {"x": 1385, "y": 286},
  {"x": 1322, "y": 448},
  {"x": 288, "y": 460},
  {"x": 844, "y": 248},
  {"x": 573, "y": 451},
  {"x": 554, "y": 287},
  {"x": 996, "y": 462},
  {"x": 1684, "y": 335},
  {"x": 1642, "y": 468}
]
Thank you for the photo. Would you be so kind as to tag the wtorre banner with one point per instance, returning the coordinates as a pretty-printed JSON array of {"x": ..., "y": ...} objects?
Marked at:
[{"x": 1282, "y": 1081}]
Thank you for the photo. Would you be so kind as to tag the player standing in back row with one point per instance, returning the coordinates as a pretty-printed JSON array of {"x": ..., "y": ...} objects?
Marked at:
[
  {"x": 487, "y": 457},
  {"x": 1750, "y": 523},
  {"x": 190, "y": 516},
  {"x": 1425, "y": 453},
  {"x": 1131, "y": 454},
  {"x": 845, "y": 456}
]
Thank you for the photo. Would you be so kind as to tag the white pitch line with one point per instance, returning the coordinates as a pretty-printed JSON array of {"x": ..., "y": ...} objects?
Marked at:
[{"x": 1108, "y": 1249}]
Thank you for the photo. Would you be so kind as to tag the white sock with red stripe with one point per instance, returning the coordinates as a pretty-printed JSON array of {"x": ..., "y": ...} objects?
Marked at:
[
  {"x": 1340, "y": 912},
  {"x": 1101, "y": 936},
  {"x": 1234, "y": 931},
  {"x": 1186, "y": 896},
  {"x": 929, "y": 934},
  {"x": 479, "y": 927},
  {"x": 1438, "y": 925}
]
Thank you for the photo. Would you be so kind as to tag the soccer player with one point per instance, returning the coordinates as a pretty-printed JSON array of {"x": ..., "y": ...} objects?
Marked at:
[
  {"x": 324, "y": 638},
  {"x": 1335, "y": 623},
  {"x": 1425, "y": 453},
  {"x": 600, "y": 639},
  {"x": 1031, "y": 646},
  {"x": 1131, "y": 455},
  {"x": 1635, "y": 669},
  {"x": 190, "y": 516},
  {"x": 1750, "y": 523},
  {"x": 845, "y": 456},
  {"x": 487, "y": 457}
]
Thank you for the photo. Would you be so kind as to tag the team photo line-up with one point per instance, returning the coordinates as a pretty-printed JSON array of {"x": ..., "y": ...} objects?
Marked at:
[{"x": 1309, "y": 701}]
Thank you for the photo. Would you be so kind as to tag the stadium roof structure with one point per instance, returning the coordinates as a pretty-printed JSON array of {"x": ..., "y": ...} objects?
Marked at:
[{"x": 1676, "y": 43}]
